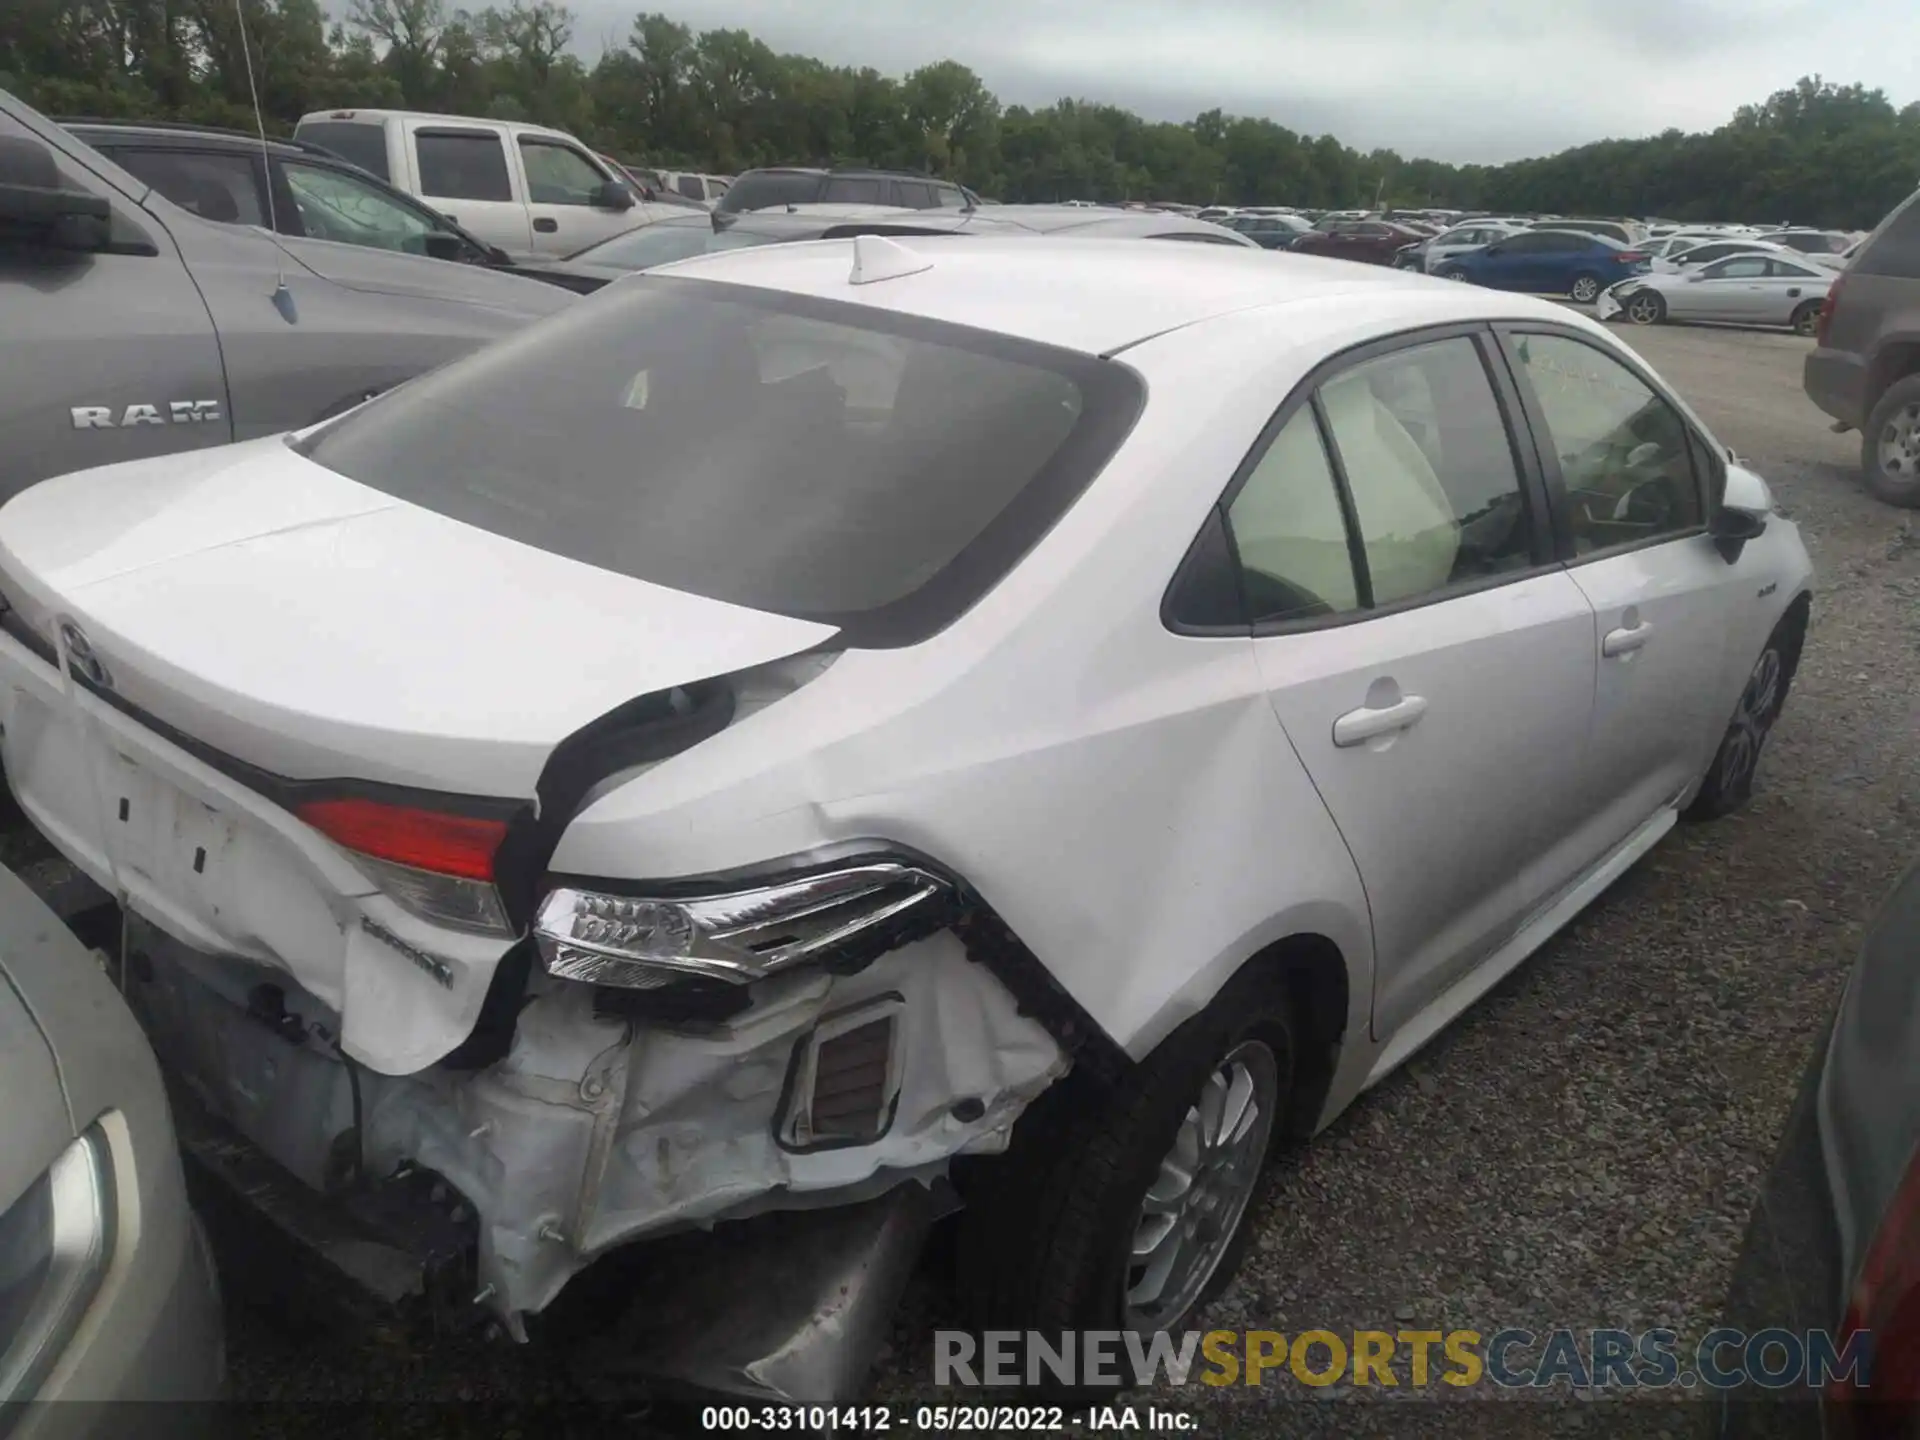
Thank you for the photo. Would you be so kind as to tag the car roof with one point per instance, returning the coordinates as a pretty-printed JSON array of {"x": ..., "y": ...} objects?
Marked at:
[
  {"x": 1091, "y": 295},
  {"x": 183, "y": 137},
  {"x": 478, "y": 122}
]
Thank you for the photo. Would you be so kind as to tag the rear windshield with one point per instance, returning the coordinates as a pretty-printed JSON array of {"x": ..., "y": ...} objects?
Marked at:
[
  {"x": 771, "y": 190},
  {"x": 832, "y": 462},
  {"x": 668, "y": 240},
  {"x": 357, "y": 141}
]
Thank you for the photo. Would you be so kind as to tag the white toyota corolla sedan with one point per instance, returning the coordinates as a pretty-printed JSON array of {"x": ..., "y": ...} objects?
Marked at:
[{"x": 820, "y": 712}]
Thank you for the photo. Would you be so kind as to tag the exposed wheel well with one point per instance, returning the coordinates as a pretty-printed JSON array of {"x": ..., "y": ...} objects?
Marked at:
[
  {"x": 1315, "y": 973},
  {"x": 1895, "y": 362}
]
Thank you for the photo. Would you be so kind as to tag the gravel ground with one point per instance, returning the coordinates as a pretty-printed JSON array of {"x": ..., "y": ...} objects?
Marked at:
[{"x": 1583, "y": 1148}]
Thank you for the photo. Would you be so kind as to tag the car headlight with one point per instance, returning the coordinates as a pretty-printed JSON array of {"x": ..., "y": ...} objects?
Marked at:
[
  {"x": 56, "y": 1242},
  {"x": 645, "y": 942}
]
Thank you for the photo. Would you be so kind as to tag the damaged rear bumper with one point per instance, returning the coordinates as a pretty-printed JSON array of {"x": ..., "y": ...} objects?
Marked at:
[
  {"x": 290, "y": 999},
  {"x": 594, "y": 1132}
]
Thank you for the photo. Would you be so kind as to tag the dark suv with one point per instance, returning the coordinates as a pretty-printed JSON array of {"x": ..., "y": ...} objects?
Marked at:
[
  {"x": 225, "y": 175},
  {"x": 1865, "y": 367},
  {"x": 774, "y": 189}
]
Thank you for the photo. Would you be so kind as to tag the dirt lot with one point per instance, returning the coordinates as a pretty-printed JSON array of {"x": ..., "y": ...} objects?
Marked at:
[{"x": 1583, "y": 1148}]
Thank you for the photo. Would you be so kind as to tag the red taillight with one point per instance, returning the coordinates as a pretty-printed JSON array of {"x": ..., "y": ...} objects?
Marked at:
[
  {"x": 457, "y": 845},
  {"x": 1631, "y": 256},
  {"x": 1827, "y": 307},
  {"x": 1885, "y": 1303}
]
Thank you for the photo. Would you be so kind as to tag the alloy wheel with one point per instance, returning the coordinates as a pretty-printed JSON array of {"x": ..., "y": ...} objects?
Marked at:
[
  {"x": 1806, "y": 322},
  {"x": 1643, "y": 309},
  {"x": 1585, "y": 288},
  {"x": 1191, "y": 1211},
  {"x": 1900, "y": 442},
  {"x": 1759, "y": 704}
]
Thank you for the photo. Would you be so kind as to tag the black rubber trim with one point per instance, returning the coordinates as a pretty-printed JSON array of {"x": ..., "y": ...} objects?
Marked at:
[
  {"x": 645, "y": 729},
  {"x": 1041, "y": 997},
  {"x": 989, "y": 941},
  {"x": 286, "y": 793}
]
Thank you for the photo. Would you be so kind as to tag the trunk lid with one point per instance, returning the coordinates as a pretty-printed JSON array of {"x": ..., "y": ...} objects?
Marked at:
[{"x": 317, "y": 628}]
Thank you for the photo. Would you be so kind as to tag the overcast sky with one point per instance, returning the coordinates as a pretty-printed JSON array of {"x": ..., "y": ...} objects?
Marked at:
[{"x": 1461, "y": 80}]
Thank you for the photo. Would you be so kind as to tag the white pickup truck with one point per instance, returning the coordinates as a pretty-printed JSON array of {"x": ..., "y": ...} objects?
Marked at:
[{"x": 534, "y": 192}]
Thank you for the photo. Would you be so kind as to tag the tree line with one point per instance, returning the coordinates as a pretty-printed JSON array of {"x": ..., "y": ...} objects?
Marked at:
[{"x": 722, "y": 100}]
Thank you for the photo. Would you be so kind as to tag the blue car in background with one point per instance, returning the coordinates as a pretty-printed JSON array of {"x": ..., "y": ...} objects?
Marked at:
[{"x": 1549, "y": 262}]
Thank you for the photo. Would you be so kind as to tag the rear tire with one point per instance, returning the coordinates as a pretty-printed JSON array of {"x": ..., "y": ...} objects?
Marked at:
[
  {"x": 1048, "y": 1239},
  {"x": 1586, "y": 289},
  {"x": 1729, "y": 782},
  {"x": 1451, "y": 272},
  {"x": 1806, "y": 318},
  {"x": 1890, "y": 445}
]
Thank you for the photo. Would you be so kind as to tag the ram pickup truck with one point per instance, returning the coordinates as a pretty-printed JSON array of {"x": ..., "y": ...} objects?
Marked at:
[{"x": 131, "y": 327}]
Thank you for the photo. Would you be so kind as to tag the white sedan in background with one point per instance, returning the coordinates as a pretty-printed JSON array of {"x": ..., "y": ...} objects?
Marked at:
[
  {"x": 820, "y": 712},
  {"x": 1748, "y": 289}
]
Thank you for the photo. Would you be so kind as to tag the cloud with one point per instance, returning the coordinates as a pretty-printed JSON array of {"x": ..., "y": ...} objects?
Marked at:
[{"x": 1485, "y": 80}]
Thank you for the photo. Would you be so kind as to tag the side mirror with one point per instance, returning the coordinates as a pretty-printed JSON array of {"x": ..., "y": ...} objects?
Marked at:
[
  {"x": 613, "y": 196},
  {"x": 1731, "y": 528},
  {"x": 443, "y": 245},
  {"x": 1493, "y": 250},
  {"x": 37, "y": 209}
]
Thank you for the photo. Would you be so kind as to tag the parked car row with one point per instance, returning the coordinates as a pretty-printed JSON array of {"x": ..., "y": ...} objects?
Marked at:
[{"x": 683, "y": 237}]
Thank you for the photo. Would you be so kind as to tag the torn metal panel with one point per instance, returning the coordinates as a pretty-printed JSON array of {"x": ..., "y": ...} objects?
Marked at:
[{"x": 594, "y": 1131}]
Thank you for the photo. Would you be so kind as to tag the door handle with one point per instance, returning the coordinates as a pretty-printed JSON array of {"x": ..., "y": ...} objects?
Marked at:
[
  {"x": 545, "y": 224},
  {"x": 1356, "y": 727},
  {"x": 1626, "y": 640}
]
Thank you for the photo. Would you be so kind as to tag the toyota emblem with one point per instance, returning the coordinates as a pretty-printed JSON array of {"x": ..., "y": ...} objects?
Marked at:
[{"x": 81, "y": 659}]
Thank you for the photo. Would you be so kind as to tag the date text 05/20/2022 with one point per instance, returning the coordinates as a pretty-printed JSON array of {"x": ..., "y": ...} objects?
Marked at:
[{"x": 945, "y": 1419}]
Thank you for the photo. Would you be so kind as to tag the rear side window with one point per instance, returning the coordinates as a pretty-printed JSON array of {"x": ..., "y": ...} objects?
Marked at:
[
  {"x": 692, "y": 187},
  {"x": 462, "y": 165},
  {"x": 866, "y": 469},
  {"x": 223, "y": 188},
  {"x": 1427, "y": 460},
  {"x": 1289, "y": 531},
  {"x": 844, "y": 190},
  {"x": 356, "y": 141},
  {"x": 1894, "y": 249}
]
